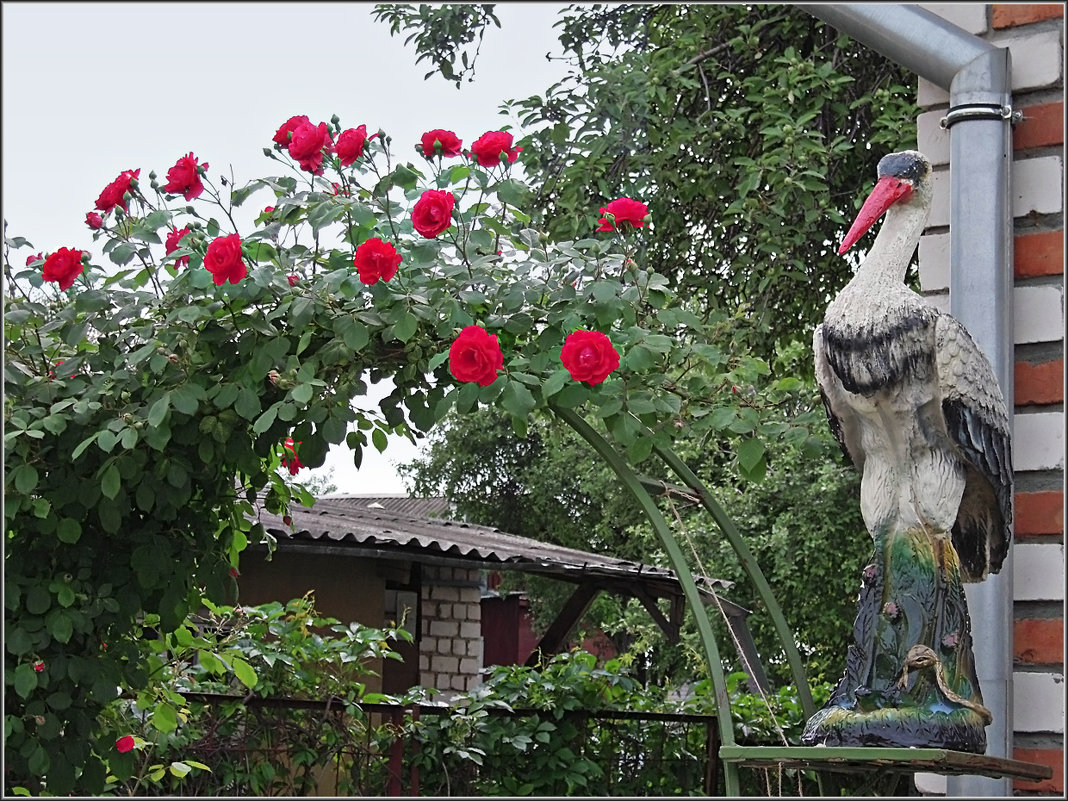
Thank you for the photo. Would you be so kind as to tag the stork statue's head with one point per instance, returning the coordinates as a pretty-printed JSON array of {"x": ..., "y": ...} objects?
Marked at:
[{"x": 903, "y": 178}]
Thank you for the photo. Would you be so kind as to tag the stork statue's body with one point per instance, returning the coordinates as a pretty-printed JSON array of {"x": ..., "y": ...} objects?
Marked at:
[{"x": 916, "y": 407}]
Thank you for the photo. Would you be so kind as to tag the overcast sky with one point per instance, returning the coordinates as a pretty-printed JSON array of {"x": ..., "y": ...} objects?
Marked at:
[{"x": 90, "y": 90}]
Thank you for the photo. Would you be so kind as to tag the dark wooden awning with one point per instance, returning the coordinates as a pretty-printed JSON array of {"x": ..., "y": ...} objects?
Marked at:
[{"x": 371, "y": 529}]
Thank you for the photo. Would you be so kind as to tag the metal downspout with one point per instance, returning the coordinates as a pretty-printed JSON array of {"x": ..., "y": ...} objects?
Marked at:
[{"x": 978, "y": 78}]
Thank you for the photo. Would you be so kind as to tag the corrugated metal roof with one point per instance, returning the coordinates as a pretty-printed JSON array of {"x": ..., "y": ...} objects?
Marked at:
[
  {"x": 347, "y": 523},
  {"x": 417, "y": 507}
]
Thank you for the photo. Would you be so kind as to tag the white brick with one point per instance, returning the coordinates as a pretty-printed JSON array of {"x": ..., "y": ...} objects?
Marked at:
[
  {"x": 1037, "y": 59},
  {"x": 930, "y": 94},
  {"x": 970, "y": 17},
  {"x": 1038, "y": 314},
  {"x": 445, "y": 593},
  {"x": 934, "y": 262},
  {"x": 1038, "y": 572},
  {"x": 1037, "y": 186},
  {"x": 470, "y": 630},
  {"x": 1038, "y": 441},
  {"x": 469, "y": 666},
  {"x": 444, "y": 664},
  {"x": 939, "y": 300},
  {"x": 444, "y": 628},
  {"x": 1038, "y": 702},
  {"x": 931, "y": 138},
  {"x": 939, "y": 199},
  {"x": 931, "y": 783}
]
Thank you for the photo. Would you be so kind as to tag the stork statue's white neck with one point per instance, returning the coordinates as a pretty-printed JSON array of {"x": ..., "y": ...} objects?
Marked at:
[{"x": 888, "y": 260}]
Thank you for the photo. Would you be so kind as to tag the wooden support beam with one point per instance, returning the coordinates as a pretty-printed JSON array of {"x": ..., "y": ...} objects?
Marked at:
[
  {"x": 556, "y": 635},
  {"x": 669, "y": 627}
]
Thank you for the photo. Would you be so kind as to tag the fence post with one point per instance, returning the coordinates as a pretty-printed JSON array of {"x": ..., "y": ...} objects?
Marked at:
[
  {"x": 414, "y": 775},
  {"x": 396, "y": 754}
]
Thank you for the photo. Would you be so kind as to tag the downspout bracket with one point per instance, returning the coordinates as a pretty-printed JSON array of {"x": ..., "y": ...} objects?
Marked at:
[{"x": 979, "y": 112}]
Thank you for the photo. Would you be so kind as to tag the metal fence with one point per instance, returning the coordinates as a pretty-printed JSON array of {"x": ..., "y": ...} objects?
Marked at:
[{"x": 280, "y": 746}]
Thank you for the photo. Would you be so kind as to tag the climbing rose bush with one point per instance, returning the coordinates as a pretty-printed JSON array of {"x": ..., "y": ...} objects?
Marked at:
[{"x": 159, "y": 387}]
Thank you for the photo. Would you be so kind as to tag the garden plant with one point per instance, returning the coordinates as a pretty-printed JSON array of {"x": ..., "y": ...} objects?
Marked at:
[{"x": 157, "y": 403}]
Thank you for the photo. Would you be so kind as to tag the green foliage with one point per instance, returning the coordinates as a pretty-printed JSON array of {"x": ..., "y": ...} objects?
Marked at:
[
  {"x": 148, "y": 409},
  {"x": 442, "y": 35},
  {"x": 731, "y": 121},
  {"x": 287, "y": 652}
]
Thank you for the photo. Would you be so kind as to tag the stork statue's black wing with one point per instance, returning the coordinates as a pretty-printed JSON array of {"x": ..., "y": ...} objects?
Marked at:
[
  {"x": 977, "y": 421},
  {"x": 839, "y": 415}
]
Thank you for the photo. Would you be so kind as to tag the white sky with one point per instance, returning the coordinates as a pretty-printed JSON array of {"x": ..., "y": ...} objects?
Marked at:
[{"x": 90, "y": 90}]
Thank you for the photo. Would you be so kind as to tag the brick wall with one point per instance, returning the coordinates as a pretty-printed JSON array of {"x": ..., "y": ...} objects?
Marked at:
[
  {"x": 1034, "y": 36},
  {"x": 450, "y": 644}
]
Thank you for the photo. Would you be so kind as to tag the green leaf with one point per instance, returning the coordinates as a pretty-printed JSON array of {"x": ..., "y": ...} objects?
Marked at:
[
  {"x": 405, "y": 327},
  {"x": 750, "y": 453},
  {"x": 25, "y": 478},
  {"x": 517, "y": 399},
  {"x": 25, "y": 680},
  {"x": 69, "y": 530},
  {"x": 61, "y": 628},
  {"x": 110, "y": 482},
  {"x": 158, "y": 413},
  {"x": 165, "y": 717},
  {"x": 302, "y": 393},
  {"x": 244, "y": 672}
]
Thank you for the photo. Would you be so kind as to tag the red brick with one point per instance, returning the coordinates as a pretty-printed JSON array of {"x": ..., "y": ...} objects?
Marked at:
[
  {"x": 1039, "y": 513},
  {"x": 1038, "y": 254},
  {"x": 1038, "y": 642},
  {"x": 1041, "y": 125},
  {"x": 1039, "y": 384},
  {"x": 1054, "y": 757},
  {"x": 1011, "y": 15}
]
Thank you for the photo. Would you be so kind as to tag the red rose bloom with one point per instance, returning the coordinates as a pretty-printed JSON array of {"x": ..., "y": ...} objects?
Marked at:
[
  {"x": 589, "y": 356},
  {"x": 376, "y": 259},
  {"x": 174, "y": 239},
  {"x": 94, "y": 220},
  {"x": 224, "y": 261},
  {"x": 350, "y": 144},
  {"x": 306, "y": 146},
  {"x": 31, "y": 259},
  {"x": 63, "y": 266},
  {"x": 281, "y": 136},
  {"x": 38, "y": 666},
  {"x": 293, "y": 279},
  {"x": 432, "y": 212},
  {"x": 489, "y": 148},
  {"x": 292, "y": 463},
  {"x": 623, "y": 210},
  {"x": 475, "y": 356},
  {"x": 441, "y": 143},
  {"x": 184, "y": 177},
  {"x": 124, "y": 744},
  {"x": 114, "y": 194}
]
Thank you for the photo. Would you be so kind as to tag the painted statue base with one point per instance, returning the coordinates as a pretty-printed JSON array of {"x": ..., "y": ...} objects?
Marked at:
[{"x": 910, "y": 675}]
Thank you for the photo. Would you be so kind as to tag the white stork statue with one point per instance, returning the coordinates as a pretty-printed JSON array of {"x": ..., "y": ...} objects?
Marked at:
[{"x": 916, "y": 407}]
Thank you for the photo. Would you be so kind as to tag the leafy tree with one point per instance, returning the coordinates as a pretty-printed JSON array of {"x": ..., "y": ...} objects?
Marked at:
[{"x": 748, "y": 129}]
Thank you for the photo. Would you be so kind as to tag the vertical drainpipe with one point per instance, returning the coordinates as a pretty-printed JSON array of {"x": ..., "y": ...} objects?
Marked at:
[{"x": 978, "y": 78}]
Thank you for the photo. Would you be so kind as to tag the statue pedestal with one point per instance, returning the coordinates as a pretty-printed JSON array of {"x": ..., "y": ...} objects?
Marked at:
[{"x": 910, "y": 676}]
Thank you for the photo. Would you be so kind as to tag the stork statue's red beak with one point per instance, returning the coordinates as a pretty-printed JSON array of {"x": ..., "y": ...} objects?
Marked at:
[{"x": 888, "y": 191}]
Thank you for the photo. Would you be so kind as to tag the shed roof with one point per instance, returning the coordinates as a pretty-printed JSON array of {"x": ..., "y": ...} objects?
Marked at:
[{"x": 364, "y": 526}]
